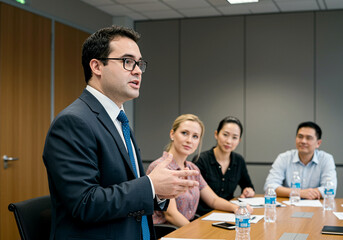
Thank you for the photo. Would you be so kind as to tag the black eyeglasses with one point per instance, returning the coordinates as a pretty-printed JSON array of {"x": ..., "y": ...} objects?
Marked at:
[{"x": 129, "y": 64}]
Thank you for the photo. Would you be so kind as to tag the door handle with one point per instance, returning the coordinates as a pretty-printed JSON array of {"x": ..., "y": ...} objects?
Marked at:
[{"x": 7, "y": 159}]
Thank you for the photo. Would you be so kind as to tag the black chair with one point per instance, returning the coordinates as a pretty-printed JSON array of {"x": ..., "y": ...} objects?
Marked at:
[
  {"x": 33, "y": 218},
  {"x": 163, "y": 229}
]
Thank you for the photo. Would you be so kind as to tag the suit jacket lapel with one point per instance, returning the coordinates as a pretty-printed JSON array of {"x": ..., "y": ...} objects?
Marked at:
[{"x": 106, "y": 121}]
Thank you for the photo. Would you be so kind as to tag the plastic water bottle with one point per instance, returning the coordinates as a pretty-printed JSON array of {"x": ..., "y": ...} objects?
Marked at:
[
  {"x": 294, "y": 197},
  {"x": 242, "y": 222},
  {"x": 329, "y": 195},
  {"x": 270, "y": 205}
]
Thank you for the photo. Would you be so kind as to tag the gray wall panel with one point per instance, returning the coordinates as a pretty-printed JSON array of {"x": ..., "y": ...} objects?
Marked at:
[
  {"x": 158, "y": 103},
  {"x": 279, "y": 82},
  {"x": 339, "y": 193},
  {"x": 272, "y": 71},
  {"x": 212, "y": 62},
  {"x": 329, "y": 111}
]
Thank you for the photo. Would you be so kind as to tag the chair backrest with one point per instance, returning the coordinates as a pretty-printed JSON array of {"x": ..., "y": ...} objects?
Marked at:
[
  {"x": 33, "y": 217},
  {"x": 163, "y": 229}
]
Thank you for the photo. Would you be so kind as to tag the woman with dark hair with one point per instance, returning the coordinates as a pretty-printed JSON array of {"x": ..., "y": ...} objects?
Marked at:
[{"x": 221, "y": 167}]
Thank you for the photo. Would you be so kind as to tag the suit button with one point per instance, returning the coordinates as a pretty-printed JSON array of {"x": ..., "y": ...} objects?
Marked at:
[
  {"x": 130, "y": 214},
  {"x": 139, "y": 218},
  {"x": 142, "y": 212}
]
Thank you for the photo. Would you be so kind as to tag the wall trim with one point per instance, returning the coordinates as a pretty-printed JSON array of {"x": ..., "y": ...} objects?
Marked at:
[{"x": 339, "y": 165}]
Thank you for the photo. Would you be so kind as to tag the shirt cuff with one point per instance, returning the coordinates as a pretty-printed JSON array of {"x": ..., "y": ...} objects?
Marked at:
[
  {"x": 160, "y": 202},
  {"x": 152, "y": 188}
]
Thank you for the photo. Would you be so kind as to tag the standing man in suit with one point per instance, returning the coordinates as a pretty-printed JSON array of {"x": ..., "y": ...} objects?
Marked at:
[{"x": 97, "y": 183}]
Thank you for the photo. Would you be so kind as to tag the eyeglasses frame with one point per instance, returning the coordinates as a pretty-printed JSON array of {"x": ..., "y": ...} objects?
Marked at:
[{"x": 124, "y": 59}]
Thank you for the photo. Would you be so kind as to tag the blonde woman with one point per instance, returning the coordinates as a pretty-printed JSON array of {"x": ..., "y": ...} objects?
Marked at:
[{"x": 185, "y": 137}]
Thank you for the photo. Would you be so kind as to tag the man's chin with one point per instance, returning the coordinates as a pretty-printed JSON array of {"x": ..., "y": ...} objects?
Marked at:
[{"x": 134, "y": 95}]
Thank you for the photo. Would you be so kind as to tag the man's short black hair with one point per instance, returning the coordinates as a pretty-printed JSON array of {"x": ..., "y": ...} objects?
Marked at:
[
  {"x": 311, "y": 125},
  {"x": 98, "y": 45}
]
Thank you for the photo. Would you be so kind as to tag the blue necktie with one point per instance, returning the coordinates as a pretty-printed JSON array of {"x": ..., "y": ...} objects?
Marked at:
[{"x": 126, "y": 132}]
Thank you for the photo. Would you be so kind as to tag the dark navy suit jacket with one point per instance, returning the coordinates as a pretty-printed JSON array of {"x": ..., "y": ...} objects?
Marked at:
[{"x": 94, "y": 192}]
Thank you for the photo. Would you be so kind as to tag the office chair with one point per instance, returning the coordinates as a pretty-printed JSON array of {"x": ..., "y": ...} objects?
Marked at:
[
  {"x": 163, "y": 229},
  {"x": 33, "y": 218}
]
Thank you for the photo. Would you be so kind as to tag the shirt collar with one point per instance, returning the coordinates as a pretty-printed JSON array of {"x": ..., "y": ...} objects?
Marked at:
[
  {"x": 314, "y": 158},
  {"x": 213, "y": 160},
  {"x": 111, "y": 108},
  {"x": 173, "y": 165}
]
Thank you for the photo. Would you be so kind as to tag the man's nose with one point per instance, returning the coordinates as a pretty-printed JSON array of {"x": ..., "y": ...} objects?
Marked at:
[{"x": 136, "y": 70}]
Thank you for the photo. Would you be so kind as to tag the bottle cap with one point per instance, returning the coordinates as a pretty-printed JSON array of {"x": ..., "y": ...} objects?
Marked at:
[{"x": 242, "y": 204}]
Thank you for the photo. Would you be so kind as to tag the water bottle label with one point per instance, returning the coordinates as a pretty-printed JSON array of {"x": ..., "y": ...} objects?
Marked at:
[
  {"x": 269, "y": 200},
  {"x": 329, "y": 191},
  {"x": 296, "y": 185},
  {"x": 243, "y": 222}
]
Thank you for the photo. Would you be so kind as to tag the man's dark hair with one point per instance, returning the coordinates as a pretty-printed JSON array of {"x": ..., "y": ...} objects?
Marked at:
[
  {"x": 98, "y": 45},
  {"x": 311, "y": 125},
  {"x": 230, "y": 119}
]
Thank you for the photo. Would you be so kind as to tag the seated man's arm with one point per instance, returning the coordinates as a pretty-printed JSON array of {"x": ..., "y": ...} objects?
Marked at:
[
  {"x": 276, "y": 176},
  {"x": 328, "y": 170},
  {"x": 283, "y": 191},
  {"x": 309, "y": 193}
]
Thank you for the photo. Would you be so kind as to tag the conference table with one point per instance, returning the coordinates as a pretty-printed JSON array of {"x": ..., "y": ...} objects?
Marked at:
[{"x": 285, "y": 223}]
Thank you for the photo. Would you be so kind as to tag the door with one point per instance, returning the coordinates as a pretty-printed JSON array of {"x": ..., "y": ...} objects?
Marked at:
[
  {"x": 69, "y": 77},
  {"x": 24, "y": 109}
]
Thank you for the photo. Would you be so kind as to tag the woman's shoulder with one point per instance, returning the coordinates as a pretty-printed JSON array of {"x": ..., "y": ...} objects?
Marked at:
[
  {"x": 237, "y": 156},
  {"x": 153, "y": 164},
  {"x": 206, "y": 154},
  {"x": 192, "y": 166}
]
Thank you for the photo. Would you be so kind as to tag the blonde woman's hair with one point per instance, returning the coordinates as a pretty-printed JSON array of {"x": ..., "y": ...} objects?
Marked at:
[{"x": 183, "y": 118}]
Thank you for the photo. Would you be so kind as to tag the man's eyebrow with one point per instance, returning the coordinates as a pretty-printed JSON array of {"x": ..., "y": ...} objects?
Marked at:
[{"x": 130, "y": 56}]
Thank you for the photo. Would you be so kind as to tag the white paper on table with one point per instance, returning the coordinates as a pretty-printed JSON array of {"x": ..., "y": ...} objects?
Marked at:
[
  {"x": 229, "y": 217},
  {"x": 255, "y": 202},
  {"x": 253, "y": 206},
  {"x": 339, "y": 215},
  {"x": 306, "y": 203},
  {"x": 235, "y": 202},
  {"x": 222, "y": 217}
]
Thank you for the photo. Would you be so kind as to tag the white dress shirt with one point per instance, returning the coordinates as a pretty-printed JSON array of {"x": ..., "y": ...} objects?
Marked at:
[{"x": 113, "y": 111}]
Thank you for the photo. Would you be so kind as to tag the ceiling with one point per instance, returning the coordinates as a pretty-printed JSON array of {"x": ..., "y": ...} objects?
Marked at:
[{"x": 171, "y": 9}]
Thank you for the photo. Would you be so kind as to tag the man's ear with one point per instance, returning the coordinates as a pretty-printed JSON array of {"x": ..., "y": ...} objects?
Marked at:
[
  {"x": 95, "y": 66},
  {"x": 318, "y": 143}
]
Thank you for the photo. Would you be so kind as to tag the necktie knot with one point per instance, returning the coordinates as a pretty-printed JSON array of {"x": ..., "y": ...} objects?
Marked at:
[{"x": 122, "y": 117}]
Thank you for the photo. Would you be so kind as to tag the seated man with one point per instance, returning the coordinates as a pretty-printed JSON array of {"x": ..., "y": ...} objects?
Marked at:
[{"x": 313, "y": 165}]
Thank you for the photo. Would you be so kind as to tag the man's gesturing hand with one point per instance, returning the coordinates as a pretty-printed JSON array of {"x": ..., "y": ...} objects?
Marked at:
[{"x": 171, "y": 183}]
